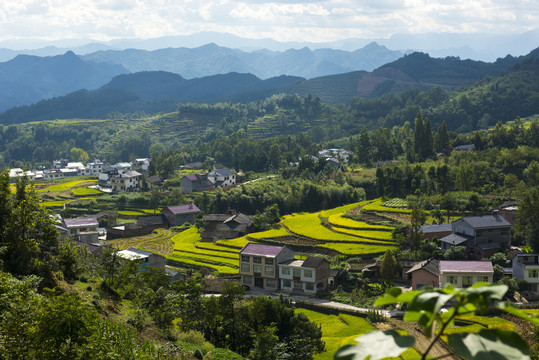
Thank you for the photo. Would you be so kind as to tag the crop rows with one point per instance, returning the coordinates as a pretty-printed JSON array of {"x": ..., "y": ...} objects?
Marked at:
[{"x": 340, "y": 221}]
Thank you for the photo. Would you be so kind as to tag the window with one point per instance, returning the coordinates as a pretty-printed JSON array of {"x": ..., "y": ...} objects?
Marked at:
[
  {"x": 245, "y": 267},
  {"x": 485, "y": 278},
  {"x": 268, "y": 270},
  {"x": 533, "y": 273},
  {"x": 271, "y": 283},
  {"x": 452, "y": 279},
  {"x": 245, "y": 258},
  {"x": 308, "y": 273},
  {"x": 269, "y": 261},
  {"x": 296, "y": 272},
  {"x": 257, "y": 259},
  {"x": 247, "y": 280},
  {"x": 309, "y": 286},
  {"x": 285, "y": 271},
  {"x": 287, "y": 283},
  {"x": 257, "y": 269},
  {"x": 467, "y": 280}
]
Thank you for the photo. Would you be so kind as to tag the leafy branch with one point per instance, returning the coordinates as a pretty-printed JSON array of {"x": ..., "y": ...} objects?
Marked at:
[{"x": 436, "y": 309}]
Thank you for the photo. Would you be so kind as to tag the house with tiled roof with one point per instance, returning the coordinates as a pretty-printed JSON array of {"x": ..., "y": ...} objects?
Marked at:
[
  {"x": 465, "y": 273},
  {"x": 425, "y": 273},
  {"x": 82, "y": 229},
  {"x": 226, "y": 226},
  {"x": 180, "y": 214},
  {"x": 258, "y": 265},
  {"x": 486, "y": 234},
  {"x": 222, "y": 177},
  {"x": 437, "y": 231},
  {"x": 308, "y": 276},
  {"x": 195, "y": 183},
  {"x": 128, "y": 180}
]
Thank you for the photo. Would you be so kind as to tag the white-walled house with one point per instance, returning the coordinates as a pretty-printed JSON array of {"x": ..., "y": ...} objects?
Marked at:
[
  {"x": 465, "y": 273},
  {"x": 222, "y": 177},
  {"x": 82, "y": 229},
  {"x": 126, "y": 181},
  {"x": 526, "y": 267},
  {"x": 304, "y": 275}
]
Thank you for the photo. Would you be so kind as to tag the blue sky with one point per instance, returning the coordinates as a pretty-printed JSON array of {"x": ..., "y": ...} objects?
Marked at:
[{"x": 296, "y": 20}]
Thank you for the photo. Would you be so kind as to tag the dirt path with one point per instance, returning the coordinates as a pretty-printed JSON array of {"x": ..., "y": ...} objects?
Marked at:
[{"x": 421, "y": 342}]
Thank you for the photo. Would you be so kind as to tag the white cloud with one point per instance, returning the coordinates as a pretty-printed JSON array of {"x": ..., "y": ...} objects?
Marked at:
[{"x": 300, "y": 20}]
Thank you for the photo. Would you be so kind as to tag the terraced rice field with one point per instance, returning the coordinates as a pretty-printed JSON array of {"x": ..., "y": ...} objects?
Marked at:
[
  {"x": 343, "y": 222},
  {"x": 67, "y": 185},
  {"x": 377, "y": 206},
  {"x": 83, "y": 191},
  {"x": 337, "y": 330}
]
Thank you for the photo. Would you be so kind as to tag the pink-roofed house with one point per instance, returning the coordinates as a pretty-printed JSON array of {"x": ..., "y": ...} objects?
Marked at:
[
  {"x": 180, "y": 214},
  {"x": 465, "y": 273},
  {"x": 258, "y": 264}
]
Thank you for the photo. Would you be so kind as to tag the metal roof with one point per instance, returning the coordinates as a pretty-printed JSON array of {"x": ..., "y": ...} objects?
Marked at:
[
  {"x": 183, "y": 209},
  {"x": 454, "y": 239},
  {"x": 487, "y": 221},
  {"x": 261, "y": 250},
  {"x": 81, "y": 222},
  {"x": 436, "y": 228},
  {"x": 466, "y": 266}
]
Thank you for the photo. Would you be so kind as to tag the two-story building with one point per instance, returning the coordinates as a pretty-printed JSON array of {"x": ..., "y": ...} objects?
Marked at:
[
  {"x": 82, "y": 229},
  {"x": 126, "y": 181},
  {"x": 222, "y": 177},
  {"x": 195, "y": 183},
  {"x": 526, "y": 267},
  {"x": 95, "y": 167},
  {"x": 258, "y": 265},
  {"x": 307, "y": 275},
  {"x": 465, "y": 273},
  {"x": 485, "y": 234}
]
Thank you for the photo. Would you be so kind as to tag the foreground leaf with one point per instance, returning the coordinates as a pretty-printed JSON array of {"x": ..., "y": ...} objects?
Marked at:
[
  {"x": 376, "y": 345},
  {"x": 489, "y": 344}
]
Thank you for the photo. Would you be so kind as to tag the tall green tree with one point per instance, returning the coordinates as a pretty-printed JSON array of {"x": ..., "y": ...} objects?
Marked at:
[
  {"x": 388, "y": 269},
  {"x": 441, "y": 139},
  {"x": 528, "y": 216}
]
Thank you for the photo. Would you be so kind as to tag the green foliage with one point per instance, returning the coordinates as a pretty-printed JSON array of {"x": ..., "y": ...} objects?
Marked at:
[
  {"x": 388, "y": 269},
  {"x": 424, "y": 307}
]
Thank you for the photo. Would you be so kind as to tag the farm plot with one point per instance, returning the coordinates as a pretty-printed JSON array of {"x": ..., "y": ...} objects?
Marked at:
[
  {"x": 343, "y": 209},
  {"x": 352, "y": 249},
  {"x": 343, "y": 222},
  {"x": 186, "y": 252},
  {"x": 158, "y": 242},
  {"x": 396, "y": 203},
  {"x": 310, "y": 226},
  {"x": 377, "y": 206},
  {"x": 337, "y": 330},
  {"x": 83, "y": 191},
  {"x": 67, "y": 185},
  {"x": 367, "y": 234}
]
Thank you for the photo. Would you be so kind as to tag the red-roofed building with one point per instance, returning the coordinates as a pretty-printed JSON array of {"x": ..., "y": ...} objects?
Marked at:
[
  {"x": 180, "y": 214},
  {"x": 258, "y": 265},
  {"x": 465, "y": 273}
]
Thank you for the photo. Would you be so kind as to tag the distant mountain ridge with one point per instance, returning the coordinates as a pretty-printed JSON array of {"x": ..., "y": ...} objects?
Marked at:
[
  {"x": 27, "y": 79},
  {"x": 212, "y": 59}
]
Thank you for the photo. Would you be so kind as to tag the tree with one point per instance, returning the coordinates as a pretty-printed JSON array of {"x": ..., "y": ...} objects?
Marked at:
[
  {"x": 415, "y": 236},
  {"x": 388, "y": 269},
  {"x": 456, "y": 253},
  {"x": 528, "y": 214},
  {"x": 77, "y": 154},
  {"x": 441, "y": 139},
  {"x": 424, "y": 307}
]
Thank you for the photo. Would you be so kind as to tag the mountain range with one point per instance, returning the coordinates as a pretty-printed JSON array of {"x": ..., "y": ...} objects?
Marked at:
[{"x": 161, "y": 91}]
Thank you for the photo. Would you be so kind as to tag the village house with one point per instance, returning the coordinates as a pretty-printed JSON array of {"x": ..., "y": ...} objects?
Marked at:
[
  {"x": 485, "y": 234},
  {"x": 509, "y": 210},
  {"x": 465, "y": 273},
  {"x": 145, "y": 259},
  {"x": 95, "y": 167},
  {"x": 195, "y": 183},
  {"x": 180, "y": 214},
  {"x": 336, "y": 154},
  {"x": 226, "y": 226},
  {"x": 258, "y": 265},
  {"x": 126, "y": 181},
  {"x": 122, "y": 167},
  {"x": 308, "y": 276},
  {"x": 222, "y": 177},
  {"x": 82, "y": 229},
  {"x": 526, "y": 267},
  {"x": 425, "y": 273},
  {"x": 436, "y": 231}
]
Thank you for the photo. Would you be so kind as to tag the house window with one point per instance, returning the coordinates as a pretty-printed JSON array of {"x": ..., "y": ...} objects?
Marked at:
[
  {"x": 485, "y": 278},
  {"x": 245, "y": 258},
  {"x": 271, "y": 283},
  {"x": 467, "y": 280},
  {"x": 285, "y": 271},
  {"x": 296, "y": 272},
  {"x": 268, "y": 270},
  {"x": 533, "y": 273},
  {"x": 503, "y": 232},
  {"x": 452, "y": 280},
  {"x": 245, "y": 267},
  {"x": 287, "y": 283},
  {"x": 308, "y": 273},
  {"x": 257, "y": 259},
  {"x": 247, "y": 280},
  {"x": 269, "y": 261},
  {"x": 257, "y": 269},
  {"x": 309, "y": 286}
]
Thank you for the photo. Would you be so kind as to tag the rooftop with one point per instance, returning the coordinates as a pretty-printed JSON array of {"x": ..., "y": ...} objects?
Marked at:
[
  {"x": 431, "y": 265},
  {"x": 487, "y": 221},
  {"x": 81, "y": 222},
  {"x": 183, "y": 209},
  {"x": 221, "y": 172},
  {"x": 261, "y": 250},
  {"x": 454, "y": 239},
  {"x": 436, "y": 228},
  {"x": 466, "y": 266}
]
